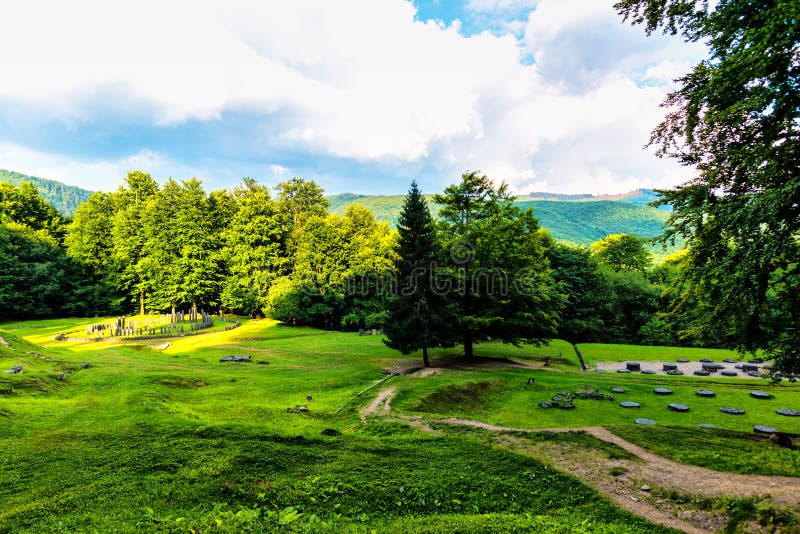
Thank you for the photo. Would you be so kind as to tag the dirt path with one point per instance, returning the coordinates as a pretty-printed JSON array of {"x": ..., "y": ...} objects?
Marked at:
[
  {"x": 648, "y": 470},
  {"x": 384, "y": 398},
  {"x": 631, "y": 488}
]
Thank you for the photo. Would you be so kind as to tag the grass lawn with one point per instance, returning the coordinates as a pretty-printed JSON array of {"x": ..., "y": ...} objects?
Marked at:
[
  {"x": 173, "y": 439},
  {"x": 602, "y": 352}
]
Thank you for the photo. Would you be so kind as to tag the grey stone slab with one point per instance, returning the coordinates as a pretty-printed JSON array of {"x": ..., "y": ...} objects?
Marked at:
[
  {"x": 678, "y": 407},
  {"x": 644, "y": 421},
  {"x": 705, "y": 393},
  {"x": 628, "y": 404},
  {"x": 662, "y": 391},
  {"x": 732, "y": 411}
]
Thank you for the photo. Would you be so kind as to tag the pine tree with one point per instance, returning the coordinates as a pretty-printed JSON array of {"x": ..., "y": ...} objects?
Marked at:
[{"x": 419, "y": 317}]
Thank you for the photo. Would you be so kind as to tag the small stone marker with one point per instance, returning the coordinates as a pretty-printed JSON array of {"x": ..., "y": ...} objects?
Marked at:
[
  {"x": 788, "y": 413},
  {"x": 754, "y": 374},
  {"x": 729, "y": 373},
  {"x": 62, "y": 376},
  {"x": 676, "y": 372},
  {"x": 706, "y": 360},
  {"x": 236, "y": 358},
  {"x": 738, "y": 366},
  {"x": 732, "y": 411},
  {"x": 749, "y": 367},
  {"x": 682, "y": 360},
  {"x": 678, "y": 407},
  {"x": 633, "y": 366},
  {"x": 730, "y": 360},
  {"x": 760, "y": 395},
  {"x": 701, "y": 373},
  {"x": 670, "y": 366},
  {"x": 617, "y": 390},
  {"x": 644, "y": 421},
  {"x": 755, "y": 360},
  {"x": 648, "y": 372},
  {"x": 262, "y": 362},
  {"x": 86, "y": 365},
  {"x": 623, "y": 370},
  {"x": 662, "y": 391},
  {"x": 705, "y": 393},
  {"x": 628, "y": 404},
  {"x": 763, "y": 429},
  {"x": 16, "y": 370},
  {"x": 706, "y": 425}
]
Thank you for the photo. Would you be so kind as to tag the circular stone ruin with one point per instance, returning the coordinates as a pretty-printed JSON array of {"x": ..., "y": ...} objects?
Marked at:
[
  {"x": 760, "y": 395},
  {"x": 644, "y": 421},
  {"x": 788, "y": 413},
  {"x": 628, "y": 404},
  {"x": 763, "y": 429},
  {"x": 678, "y": 407},
  {"x": 732, "y": 411},
  {"x": 633, "y": 366},
  {"x": 617, "y": 390},
  {"x": 705, "y": 393},
  {"x": 662, "y": 391},
  {"x": 670, "y": 366}
]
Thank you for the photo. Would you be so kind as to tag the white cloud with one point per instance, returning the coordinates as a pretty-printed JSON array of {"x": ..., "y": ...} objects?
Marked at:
[
  {"x": 92, "y": 174},
  {"x": 359, "y": 80}
]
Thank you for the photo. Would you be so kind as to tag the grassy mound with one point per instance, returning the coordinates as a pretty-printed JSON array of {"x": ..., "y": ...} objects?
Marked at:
[{"x": 464, "y": 396}]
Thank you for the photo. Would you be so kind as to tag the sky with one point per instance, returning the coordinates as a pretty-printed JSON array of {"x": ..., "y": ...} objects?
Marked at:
[{"x": 361, "y": 96}]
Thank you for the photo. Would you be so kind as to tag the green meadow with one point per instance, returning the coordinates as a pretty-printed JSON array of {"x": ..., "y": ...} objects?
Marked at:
[{"x": 173, "y": 440}]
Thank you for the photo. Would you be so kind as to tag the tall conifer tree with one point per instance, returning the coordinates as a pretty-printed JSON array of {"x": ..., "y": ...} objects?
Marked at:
[{"x": 419, "y": 317}]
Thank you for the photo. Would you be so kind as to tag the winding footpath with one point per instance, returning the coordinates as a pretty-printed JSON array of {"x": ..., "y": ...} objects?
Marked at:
[{"x": 644, "y": 470}]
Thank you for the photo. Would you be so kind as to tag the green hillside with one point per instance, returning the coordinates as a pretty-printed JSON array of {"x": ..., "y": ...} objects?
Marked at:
[
  {"x": 575, "y": 221},
  {"x": 64, "y": 198}
]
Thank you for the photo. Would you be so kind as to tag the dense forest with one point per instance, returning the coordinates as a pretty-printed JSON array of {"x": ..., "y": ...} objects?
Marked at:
[
  {"x": 64, "y": 198},
  {"x": 255, "y": 251}
]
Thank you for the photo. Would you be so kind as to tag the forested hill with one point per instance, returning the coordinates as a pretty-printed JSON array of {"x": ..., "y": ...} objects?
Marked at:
[
  {"x": 64, "y": 198},
  {"x": 576, "y": 221}
]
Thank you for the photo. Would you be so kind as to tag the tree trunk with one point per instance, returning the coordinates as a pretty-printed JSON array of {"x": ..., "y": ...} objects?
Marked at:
[
  {"x": 468, "y": 345},
  {"x": 425, "y": 361}
]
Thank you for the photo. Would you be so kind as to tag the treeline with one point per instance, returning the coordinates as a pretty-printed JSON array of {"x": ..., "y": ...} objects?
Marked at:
[
  {"x": 255, "y": 251},
  {"x": 64, "y": 198}
]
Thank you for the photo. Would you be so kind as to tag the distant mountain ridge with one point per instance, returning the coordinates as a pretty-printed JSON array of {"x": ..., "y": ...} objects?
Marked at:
[
  {"x": 637, "y": 196},
  {"x": 581, "y": 219},
  {"x": 65, "y": 198}
]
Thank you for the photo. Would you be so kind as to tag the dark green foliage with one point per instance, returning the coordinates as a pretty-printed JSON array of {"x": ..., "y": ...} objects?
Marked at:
[
  {"x": 37, "y": 279},
  {"x": 577, "y": 274},
  {"x": 64, "y": 198},
  {"x": 736, "y": 118},
  {"x": 498, "y": 270},
  {"x": 418, "y": 316}
]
